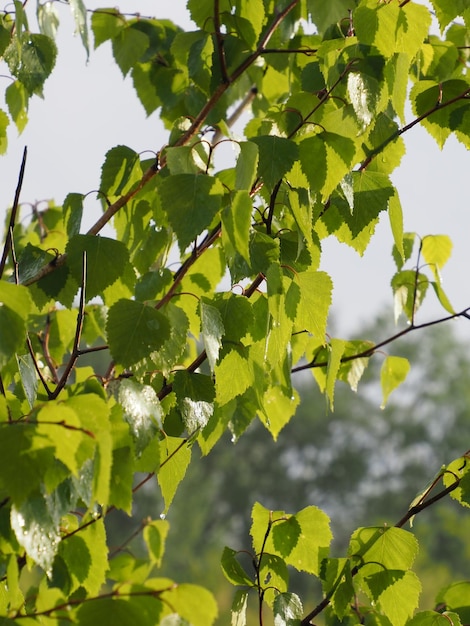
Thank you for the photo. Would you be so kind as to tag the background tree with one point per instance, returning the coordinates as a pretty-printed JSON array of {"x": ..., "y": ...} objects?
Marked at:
[{"x": 190, "y": 353}]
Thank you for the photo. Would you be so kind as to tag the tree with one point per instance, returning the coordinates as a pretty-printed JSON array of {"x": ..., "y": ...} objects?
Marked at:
[{"x": 186, "y": 359}]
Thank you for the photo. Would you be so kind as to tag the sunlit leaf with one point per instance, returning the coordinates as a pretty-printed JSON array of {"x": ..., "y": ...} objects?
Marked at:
[
  {"x": 175, "y": 456},
  {"x": 142, "y": 411},
  {"x": 392, "y": 374}
]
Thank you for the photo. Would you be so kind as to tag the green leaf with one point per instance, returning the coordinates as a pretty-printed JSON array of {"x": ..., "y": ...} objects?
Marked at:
[
  {"x": 17, "y": 98},
  {"x": 193, "y": 603},
  {"x": 315, "y": 299},
  {"x": 392, "y": 28},
  {"x": 399, "y": 598},
  {"x": 433, "y": 618},
  {"x": 28, "y": 376},
  {"x": 73, "y": 212},
  {"x": 392, "y": 374},
  {"x": 106, "y": 24},
  {"x": 118, "y": 611},
  {"x": 276, "y": 157},
  {"x": 191, "y": 201},
  {"x": 428, "y": 96},
  {"x": 129, "y": 45},
  {"x": 409, "y": 288},
  {"x": 233, "y": 375},
  {"x": 338, "y": 583},
  {"x": 135, "y": 331},
  {"x": 239, "y": 606},
  {"x": 79, "y": 13},
  {"x": 175, "y": 455},
  {"x": 48, "y": 19},
  {"x": 326, "y": 158},
  {"x": 26, "y": 460},
  {"x": 436, "y": 251},
  {"x": 455, "y": 597},
  {"x": 376, "y": 548},
  {"x": 4, "y": 121},
  {"x": 212, "y": 329},
  {"x": 247, "y": 165},
  {"x": 15, "y": 304},
  {"x": 447, "y": 11},
  {"x": 106, "y": 260},
  {"x": 233, "y": 570},
  {"x": 195, "y": 395},
  {"x": 395, "y": 215},
  {"x": 325, "y": 14},
  {"x": 142, "y": 411},
  {"x": 236, "y": 225},
  {"x": 336, "y": 352},
  {"x": 33, "y": 62},
  {"x": 155, "y": 534},
  {"x": 287, "y": 609},
  {"x": 120, "y": 172},
  {"x": 36, "y": 530}
]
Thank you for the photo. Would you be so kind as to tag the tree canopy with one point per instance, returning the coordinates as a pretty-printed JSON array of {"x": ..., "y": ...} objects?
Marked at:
[{"x": 116, "y": 363}]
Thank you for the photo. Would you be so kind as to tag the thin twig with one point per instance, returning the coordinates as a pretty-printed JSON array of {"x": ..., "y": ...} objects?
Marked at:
[
  {"x": 13, "y": 214},
  {"x": 220, "y": 43},
  {"x": 37, "y": 368},
  {"x": 78, "y": 333},
  {"x": 370, "y": 351}
]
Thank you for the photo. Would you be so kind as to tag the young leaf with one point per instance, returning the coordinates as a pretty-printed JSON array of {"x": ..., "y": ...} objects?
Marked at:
[
  {"x": 409, "y": 288},
  {"x": 247, "y": 165},
  {"x": 315, "y": 299},
  {"x": 436, "y": 251},
  {"x": 376, "y": 548},
  {"x": 393, "y": 372},
  {"x": 175, "y": 455},
  {"x": 193, "y": 603},
  {"x": 455, "y": 597},
  {"x": 155, "y": 534}
]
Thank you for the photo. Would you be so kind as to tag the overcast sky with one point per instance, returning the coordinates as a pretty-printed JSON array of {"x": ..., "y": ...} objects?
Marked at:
[{"x": 89, "y": 108}]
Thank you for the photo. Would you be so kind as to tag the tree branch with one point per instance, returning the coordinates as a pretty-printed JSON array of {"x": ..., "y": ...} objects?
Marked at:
[
  {"x": 13, "y": 214},
  {"x": 370, "y": 351}
]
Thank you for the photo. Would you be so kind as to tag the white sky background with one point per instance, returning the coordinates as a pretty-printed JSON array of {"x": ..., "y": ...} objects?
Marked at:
[{"x": 89, "y": 108}]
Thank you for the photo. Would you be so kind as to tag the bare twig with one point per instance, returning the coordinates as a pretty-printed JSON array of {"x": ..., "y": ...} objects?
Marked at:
[
  {"x": 220, "y": 43},
  {"x": 78, "y": 333},
  {"x": 13, "y": 214}
]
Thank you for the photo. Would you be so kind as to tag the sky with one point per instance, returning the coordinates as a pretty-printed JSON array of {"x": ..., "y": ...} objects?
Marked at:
[{"x": 88, "y": 108}]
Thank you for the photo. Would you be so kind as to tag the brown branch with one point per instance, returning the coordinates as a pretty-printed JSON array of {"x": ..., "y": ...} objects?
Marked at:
[
  {"x": 370, "y": 351},
  {"x": 78, "y": 333},
  {"x": 13, "y": 214},
  {"x": 220, "y": 43}
]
